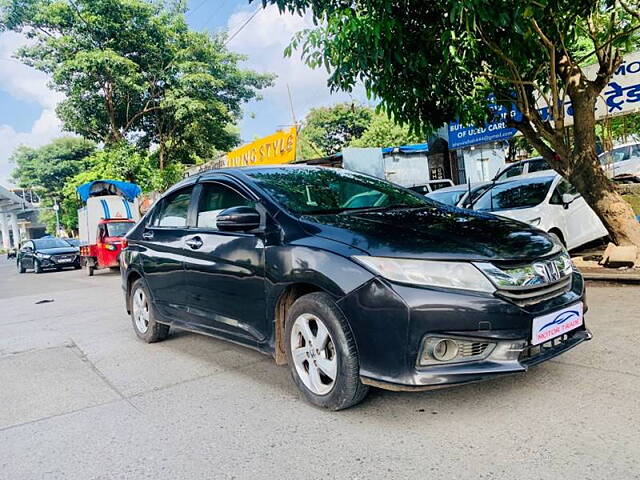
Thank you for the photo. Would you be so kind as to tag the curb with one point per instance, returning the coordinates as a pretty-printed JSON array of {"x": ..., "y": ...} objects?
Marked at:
[{"x": 606, "y": 277}]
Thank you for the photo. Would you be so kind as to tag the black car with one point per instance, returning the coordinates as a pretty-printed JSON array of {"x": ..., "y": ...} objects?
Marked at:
[
  {"x": 47, "y": 253},
  {"x": 393, "y": 290}
]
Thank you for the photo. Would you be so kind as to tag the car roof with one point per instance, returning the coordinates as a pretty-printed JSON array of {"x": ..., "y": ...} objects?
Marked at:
[
  {"x": 461, "y": 187},
  {"x": 622, "y": 145},
  {"x": 542, "y": 175}
]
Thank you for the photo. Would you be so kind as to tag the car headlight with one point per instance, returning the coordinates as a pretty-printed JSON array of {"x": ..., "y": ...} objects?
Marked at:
[
  {"x": 431, "y": 273},
  {"x": 42, "y": 255}
]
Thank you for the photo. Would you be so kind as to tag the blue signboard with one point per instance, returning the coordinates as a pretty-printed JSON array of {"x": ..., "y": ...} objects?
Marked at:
[{"x": 466, "y": 135}]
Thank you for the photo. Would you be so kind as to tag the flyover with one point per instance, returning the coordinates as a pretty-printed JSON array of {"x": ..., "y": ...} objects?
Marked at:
[{"x": 11, "y": 206}]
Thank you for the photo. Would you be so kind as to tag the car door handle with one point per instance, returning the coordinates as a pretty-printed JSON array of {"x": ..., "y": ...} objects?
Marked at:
[
  {"x": 147, "y": 235},
  {"x": 194, "y": 243}
]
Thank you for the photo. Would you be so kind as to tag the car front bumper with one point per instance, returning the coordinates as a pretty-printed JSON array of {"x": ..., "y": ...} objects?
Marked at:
[{"x": 390, "y": 322}]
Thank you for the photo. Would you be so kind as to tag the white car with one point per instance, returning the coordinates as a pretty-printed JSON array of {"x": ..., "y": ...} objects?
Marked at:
[
  {"x": 523, "y": 167},
  {"x": 462, "y": 196},
  {"x": 548, "y": 202},
  {"x": 623, "y": 162}
]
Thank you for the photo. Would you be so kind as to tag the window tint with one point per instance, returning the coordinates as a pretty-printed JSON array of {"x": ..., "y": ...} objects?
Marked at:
[
  {"x": 215, "y": 198},
  {"x": 538, "y": 165},
  {"x": 50, "y": 242},
  {"x": 516, "y": 194},
  {"x": 620, "y": 154},
  {"x": 562, "y": 188},
  {"x": 513, "y": 171},
  {"x": 635, "y": 150},
  {"x": 327, "y": 191},
  {"x": 174, "y": 209}
]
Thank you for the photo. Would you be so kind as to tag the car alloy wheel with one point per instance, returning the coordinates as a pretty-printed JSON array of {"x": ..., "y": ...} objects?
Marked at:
[
  {"x": 314, "y": 354},
  {"x": 141, "y": 310}
]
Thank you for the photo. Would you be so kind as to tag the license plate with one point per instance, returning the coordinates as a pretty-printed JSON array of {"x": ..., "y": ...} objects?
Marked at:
[
  {"x": 557, "y": 323},
  {"x": 65, "y": 260}
]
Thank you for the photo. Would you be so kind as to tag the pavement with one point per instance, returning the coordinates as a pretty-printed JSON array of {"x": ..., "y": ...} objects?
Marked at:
[{"x": 82, "y": 398}]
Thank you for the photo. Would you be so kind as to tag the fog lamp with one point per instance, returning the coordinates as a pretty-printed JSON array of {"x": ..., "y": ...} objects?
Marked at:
[{"x": 442, "y": 349}]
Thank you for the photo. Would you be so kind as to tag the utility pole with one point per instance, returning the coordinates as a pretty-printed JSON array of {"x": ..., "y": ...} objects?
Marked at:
[{"x": 56, "y": 208}]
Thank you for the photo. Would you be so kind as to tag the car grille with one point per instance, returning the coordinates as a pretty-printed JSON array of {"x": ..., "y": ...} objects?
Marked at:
[
  {"x": 471, "y": 349},
  {"x": 530, "y": 296},
  {"x": 532, "y": 352},
  {"x": 63, "y": 258}
]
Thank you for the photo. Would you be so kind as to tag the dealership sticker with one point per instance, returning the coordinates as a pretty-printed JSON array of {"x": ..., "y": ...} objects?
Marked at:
[{"x": 555, "y": 324}]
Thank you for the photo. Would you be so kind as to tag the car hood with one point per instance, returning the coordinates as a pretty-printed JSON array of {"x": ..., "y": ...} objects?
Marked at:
[
  {"x": 58, "y": 250},
  {"x": 440, "y": 232}
]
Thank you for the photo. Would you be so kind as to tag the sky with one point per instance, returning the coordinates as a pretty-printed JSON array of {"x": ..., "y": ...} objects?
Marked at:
[{"x": 27, "y": 104}]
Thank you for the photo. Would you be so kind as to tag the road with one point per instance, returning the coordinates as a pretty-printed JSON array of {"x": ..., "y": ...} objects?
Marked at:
[{"x": 82, "y": 398}]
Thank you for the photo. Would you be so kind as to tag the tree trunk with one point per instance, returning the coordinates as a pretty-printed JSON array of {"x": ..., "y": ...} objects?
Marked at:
[{"x": 586, "y": 174}]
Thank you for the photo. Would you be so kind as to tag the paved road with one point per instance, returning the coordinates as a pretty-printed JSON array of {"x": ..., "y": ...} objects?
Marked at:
[{"x": 82, "y": 398}]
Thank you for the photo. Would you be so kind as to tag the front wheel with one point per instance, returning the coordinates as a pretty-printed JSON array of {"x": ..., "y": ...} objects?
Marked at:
[
  {"x": 322, "y": 354},
  {"x": 37, "y": 268},
  {"x": 142, "y": 317},
  {"x": 21, "y": 268}
]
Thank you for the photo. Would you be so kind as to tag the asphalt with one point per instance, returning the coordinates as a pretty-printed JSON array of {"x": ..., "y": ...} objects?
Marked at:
[{"x": 82, "y": 398}]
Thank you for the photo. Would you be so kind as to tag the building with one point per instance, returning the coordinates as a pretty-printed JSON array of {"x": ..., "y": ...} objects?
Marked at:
[{"x": 18, "y": 217}]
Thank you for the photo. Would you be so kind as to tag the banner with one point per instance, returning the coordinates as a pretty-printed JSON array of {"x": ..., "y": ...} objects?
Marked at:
[
  {"x": 273, "y": 149},
  {"x": 619, "y": 97}
]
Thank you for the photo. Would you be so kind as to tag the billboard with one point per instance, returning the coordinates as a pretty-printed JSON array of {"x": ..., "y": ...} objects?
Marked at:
[
  {"x": 279, "y": 147},
  {"x": 619, "y": 97}
]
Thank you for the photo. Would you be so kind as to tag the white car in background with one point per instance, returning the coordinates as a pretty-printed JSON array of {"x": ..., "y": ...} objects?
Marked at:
[
  {"x": 523, "y": 167},
  {"x": 546, "y": 201},
  {"x": 623, "y": 162},
  {"x": 462, "y": 196}
]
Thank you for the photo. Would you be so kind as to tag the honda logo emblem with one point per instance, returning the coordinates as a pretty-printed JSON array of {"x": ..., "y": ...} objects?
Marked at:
[{"x": 548, "y": 271}]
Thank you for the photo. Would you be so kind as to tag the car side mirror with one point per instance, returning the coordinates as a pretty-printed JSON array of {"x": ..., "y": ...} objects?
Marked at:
[
  {"x": 567, "y": 198},
  {"x": 28, "y": 249},
  {"x": 238, "y": 219}
]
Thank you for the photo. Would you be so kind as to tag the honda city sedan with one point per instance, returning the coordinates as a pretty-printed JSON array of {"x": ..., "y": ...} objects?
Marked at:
[{"x": 393, "y": 290}]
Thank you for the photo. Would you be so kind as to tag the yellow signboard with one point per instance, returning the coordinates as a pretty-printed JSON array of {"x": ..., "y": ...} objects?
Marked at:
[{"x": 277, "y": 148}]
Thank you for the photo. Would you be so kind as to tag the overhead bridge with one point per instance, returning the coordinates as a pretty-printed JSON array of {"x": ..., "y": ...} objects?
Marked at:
[{"x": 12, "y": 206}]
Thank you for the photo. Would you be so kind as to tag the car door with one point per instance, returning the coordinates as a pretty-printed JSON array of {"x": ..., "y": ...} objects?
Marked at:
[
  {"x": 26, "y": 255},
  {"x": 582, "y": 224},
  {"x": 163, "y": 253},
  {"x": 634, "y": 161},
  {"x": 225, "y": 270}
]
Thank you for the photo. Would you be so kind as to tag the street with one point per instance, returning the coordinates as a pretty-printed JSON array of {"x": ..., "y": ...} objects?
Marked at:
[{"x": 82, "y": 398}]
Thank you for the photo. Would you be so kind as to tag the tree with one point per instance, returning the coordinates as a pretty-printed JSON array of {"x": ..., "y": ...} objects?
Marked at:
[
  {"x": 132, "y": 70},
  {"x": 327, "y": 130},
  {"x": 50, "y": 166},
  {"x": 434, "y": 61},
  {"x": 384, "y": 132}
]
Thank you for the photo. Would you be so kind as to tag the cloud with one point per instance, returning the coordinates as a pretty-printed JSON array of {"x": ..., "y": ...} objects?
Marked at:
[
  {"x": 263, "y": 40},
  {"x": 24, "y": 83}
]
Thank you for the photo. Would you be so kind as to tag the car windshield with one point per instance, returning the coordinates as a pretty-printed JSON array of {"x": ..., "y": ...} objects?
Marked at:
[
  {"x": 118, "y": 229},
  {"x": 450, "y": 197},
  {"x": 326, "y": 191},
  {"x": 520, "y": 194},
  {"x": 74, "y": 242},
  {"x": 45, "y": 243}
]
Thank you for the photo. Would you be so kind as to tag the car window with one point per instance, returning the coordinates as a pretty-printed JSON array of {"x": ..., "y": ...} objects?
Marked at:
[
  {"x": 26, "y": 246},
  {"x": 45, "y": 243},
  {"x": 215, "y": 198},
  {"x": 512, "y": 171},
  {"x": 174, "y": 210},
  {"x": 475, "y": 195},
  {"x": 450, "y": 197},
  {"x": 562, "y": 188},
  {"x": 516, "y": 194},
  {"x": 635, "y": 150},
  {"x": 118, "y": 229},
  {"x": 327, "y": 191},
  {"x": 619, "y": 154},
  {"x": 538, "y": 165}
]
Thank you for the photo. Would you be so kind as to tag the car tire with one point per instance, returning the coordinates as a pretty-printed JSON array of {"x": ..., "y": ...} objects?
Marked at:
[
  {"x": 89, "y": 268},
  {"x": 37, "y": 268},
  {"x": 334, "y": 353},
  {"x": 21, "y": 268},
  {"x": 146, "y": 327}
]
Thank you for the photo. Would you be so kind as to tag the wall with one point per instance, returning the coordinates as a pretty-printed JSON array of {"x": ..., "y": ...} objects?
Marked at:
[{"x": 482, "y": 162}]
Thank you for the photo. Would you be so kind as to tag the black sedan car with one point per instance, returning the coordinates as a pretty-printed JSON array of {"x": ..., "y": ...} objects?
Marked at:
[
  {"x": 351, "y": 281},
  {"x": 47, "y": 253}
]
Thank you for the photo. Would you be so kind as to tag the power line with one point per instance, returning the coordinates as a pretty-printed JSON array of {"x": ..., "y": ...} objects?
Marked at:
[{"x": 232, "y": 36}]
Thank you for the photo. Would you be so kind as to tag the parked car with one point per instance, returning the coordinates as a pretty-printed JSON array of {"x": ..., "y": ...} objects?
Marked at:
[
  {"x": 47, "y": 253},
  {"x": 622, "y": 163},
  {"x": 548, "y": 202},
  {"x": 523, "y": 167},
  {"x": 432, "y": 186},
  {"x": 462, "y": 196},
  {"x": 406, "y": 294}
]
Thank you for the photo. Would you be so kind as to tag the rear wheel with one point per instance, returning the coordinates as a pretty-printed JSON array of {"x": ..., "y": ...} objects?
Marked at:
[
  {"x": 142, "y": 317},
  {"x": 321, "y": 353},
  {"x": 88, "y": 266}
]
